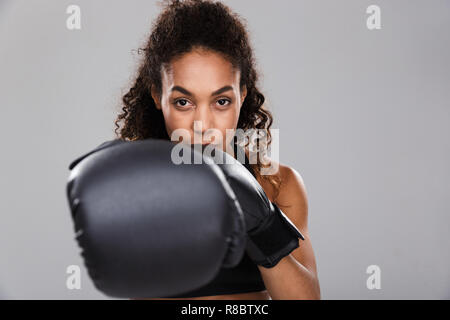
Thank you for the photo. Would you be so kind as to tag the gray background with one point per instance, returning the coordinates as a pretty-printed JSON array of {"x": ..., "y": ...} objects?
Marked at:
[{"x": 364, "y": 117}]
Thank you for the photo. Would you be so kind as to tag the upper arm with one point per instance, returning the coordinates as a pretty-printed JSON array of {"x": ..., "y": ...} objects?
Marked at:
[{"x": 292, "y": 200}]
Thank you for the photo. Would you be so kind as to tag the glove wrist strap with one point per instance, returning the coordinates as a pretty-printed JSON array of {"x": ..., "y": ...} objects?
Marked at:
[{"x": 276, "y": 238}]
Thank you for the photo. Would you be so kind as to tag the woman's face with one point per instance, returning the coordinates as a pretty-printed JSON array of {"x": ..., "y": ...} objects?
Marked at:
[{"x": 200, "y": 91}]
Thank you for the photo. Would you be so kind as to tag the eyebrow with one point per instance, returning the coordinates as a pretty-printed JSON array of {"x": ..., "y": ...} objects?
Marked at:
[{"x": 186, "y": 92}]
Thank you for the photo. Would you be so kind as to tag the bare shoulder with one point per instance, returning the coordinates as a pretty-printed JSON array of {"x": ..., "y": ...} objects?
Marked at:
[
  {"x": 292, "y": 188},
  {"x": 292, "y": 197}
]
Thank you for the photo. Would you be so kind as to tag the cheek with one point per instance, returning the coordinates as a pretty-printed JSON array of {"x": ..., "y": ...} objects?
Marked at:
[
  {"x": 175, "y": 119},
  {"x": 227, "y": 120}
]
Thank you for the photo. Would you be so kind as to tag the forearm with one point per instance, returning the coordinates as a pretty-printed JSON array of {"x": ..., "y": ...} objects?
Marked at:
[{"x": 290, "y": 280}]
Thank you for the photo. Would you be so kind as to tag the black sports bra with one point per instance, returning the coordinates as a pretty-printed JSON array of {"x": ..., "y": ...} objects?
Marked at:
[{"x": 245, "y": 277}]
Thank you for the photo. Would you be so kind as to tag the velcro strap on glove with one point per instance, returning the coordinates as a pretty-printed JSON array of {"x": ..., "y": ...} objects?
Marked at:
[{"x": 276, "y": 238}]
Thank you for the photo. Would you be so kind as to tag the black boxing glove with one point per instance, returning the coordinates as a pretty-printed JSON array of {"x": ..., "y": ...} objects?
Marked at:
[
  {"x": 148, "y": 227},
  {"x": 270, "y": 234}
]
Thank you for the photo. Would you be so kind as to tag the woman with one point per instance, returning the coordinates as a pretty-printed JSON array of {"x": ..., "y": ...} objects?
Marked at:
[{"x": 198, "y": 67}]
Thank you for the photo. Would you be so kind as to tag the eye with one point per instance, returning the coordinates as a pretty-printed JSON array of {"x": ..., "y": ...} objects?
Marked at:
[
  {"x": 223, "y": 102},
  {"x": 183, "y": 103}
]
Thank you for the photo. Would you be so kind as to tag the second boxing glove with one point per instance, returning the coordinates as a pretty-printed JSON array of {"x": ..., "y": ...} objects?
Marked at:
[{"x": 270, "y": 233}]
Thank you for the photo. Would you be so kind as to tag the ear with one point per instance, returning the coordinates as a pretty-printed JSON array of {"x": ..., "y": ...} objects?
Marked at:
[
  {"x": 243, "y": 93},
  {"x": 156, "y": 97}
]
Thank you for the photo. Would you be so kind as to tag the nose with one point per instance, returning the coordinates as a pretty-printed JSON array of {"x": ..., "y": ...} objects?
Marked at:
[{"x": 202, "y": 122}]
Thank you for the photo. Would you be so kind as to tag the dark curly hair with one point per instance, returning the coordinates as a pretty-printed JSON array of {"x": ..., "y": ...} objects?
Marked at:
[{"x": 181, "y": 27}]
